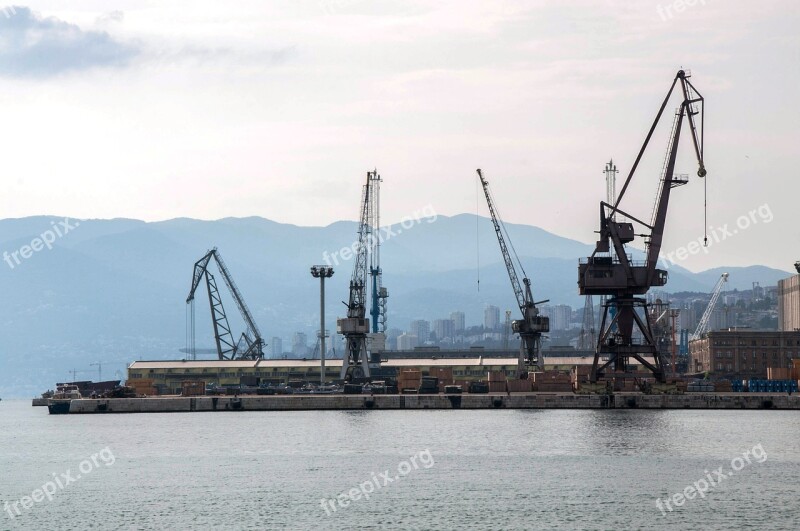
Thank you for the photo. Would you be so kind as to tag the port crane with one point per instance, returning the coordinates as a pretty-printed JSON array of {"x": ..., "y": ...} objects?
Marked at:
[
  {"x": 355, "y": 326},
  {"x": 250, "y": 345},
  {"x": 532, "y": 325},
  {"x": 702, "y": 326},
  {"x": 615, "y": 274}
]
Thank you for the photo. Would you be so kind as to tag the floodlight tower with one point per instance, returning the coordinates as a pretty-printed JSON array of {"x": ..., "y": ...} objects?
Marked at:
[{"x": 322, "y": 272}]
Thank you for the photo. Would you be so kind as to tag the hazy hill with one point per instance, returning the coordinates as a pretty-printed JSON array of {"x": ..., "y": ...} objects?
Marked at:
[{"x": 114, "y": 290}]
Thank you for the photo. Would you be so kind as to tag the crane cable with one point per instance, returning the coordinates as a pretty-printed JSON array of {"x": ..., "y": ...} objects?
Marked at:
[
  {"x": 478, "y": 232},
  {"x": 508, "y": 238}
]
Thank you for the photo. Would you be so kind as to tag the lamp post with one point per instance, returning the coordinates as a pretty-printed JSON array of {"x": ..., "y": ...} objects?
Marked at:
[{"x": 322, "y": 272}]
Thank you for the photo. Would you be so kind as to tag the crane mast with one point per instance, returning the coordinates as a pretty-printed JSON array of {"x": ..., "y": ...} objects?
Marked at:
[
  {"x": 614, "y": 274},
  {"x": 250, "y": 344},
  {"x": 355, "y": 326},
  {"x": 702, "y": 326},
  {"x": 532, "y": 325},
  {"x": 379, "y": 293}
]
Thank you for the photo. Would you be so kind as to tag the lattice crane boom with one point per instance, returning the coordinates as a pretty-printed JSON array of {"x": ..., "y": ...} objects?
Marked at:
[{"x": 702, "y": 326}]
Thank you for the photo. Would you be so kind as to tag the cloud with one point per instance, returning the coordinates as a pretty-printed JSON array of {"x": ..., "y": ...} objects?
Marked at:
[{"x": 33, "y": 46}]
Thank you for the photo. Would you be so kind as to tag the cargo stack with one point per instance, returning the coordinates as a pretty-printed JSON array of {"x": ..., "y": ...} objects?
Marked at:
[
  {"x": 779, "y": 373},
  {"x": 552, "y": 382},
  {"x": 723, "y": 386},
  {"x": 464, "y": 384},
  {"x": 497, "y": 381},
  {"x": 429, "y": 385},
  {"x": 579, "y": 375},
  {"x": 445, "y": 376},
  {"x": 143, "y": 386},
  {"x": 519, "y": 386},
  {"x": 408, "y": 381},
  {"x": 193, "y": 388}
]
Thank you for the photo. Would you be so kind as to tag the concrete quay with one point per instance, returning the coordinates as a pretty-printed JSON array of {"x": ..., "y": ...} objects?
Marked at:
[{"x": 176, "y": 404}]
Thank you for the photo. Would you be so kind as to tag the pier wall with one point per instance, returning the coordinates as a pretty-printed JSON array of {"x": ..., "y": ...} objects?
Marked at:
[{"x": 467, "y": 401}]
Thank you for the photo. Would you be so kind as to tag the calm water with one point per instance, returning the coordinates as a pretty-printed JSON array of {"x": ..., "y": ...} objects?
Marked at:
[{"x": 487, "y": 469}]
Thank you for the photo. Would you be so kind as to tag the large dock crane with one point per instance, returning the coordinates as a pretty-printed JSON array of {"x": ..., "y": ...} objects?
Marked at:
[
  {"x": 702, "y": 326},
  {"x": 532, "y": 325},
  {"x": 355, "y": 326},
  {"x": 616, "y": 274},
  {"x": 250, "y": 345}
]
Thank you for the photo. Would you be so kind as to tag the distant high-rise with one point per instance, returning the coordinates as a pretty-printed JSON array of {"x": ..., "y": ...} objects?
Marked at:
[
  {"x": 560, "y": 316},
  {"x": 276, "y": 348},
  {"x": 459, "y": 321},
  {"x": 444, "y": 329},
  {"x": 406, "y": 342},
  {"x": 422, "y": 329},
  {"x": 299, "y": 344},
  {"x": 491, "y": 317}
]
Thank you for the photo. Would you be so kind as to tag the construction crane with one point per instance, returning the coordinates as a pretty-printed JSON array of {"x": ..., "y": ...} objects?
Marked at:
[
  {"x": 615, "y": 274},
  {"x": 702, "y": 326},
  {"x": 379, "y": 293},
  {"x": 250, "y": 344},
  {"x": 355, "y": 326},
  {"x": 532, "y": 325}
]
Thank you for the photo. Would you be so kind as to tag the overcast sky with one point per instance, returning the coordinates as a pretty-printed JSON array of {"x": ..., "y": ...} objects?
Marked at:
[{"x": 161, "y": 109}]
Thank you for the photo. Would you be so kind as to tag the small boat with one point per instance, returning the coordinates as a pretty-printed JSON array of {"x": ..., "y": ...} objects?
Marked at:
[{"x": 62, "y": 398}]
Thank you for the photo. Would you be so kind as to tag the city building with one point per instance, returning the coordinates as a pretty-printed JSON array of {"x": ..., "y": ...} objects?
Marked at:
[
  {"x": 407, "y": 341},
  {"x": 743, "y": 353},
  {"x": 422, "y": 329},
  {"x": 276, "y": 348},
  {"x": 299, "y": 345},
  {"x": 560, "y": 316},
  {"x": 459, "y": 321},
  {"x": 491, "y": 318},
  {"x": 789, "y": 304},
  {"x": 444, "y": 329}
]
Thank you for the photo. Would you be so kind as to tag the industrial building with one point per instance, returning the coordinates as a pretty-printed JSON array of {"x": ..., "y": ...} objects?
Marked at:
[
  {"x": 167, "y": 376},
  {"x": 789, "y": 304},
  {"x": 743, "y": 353}
]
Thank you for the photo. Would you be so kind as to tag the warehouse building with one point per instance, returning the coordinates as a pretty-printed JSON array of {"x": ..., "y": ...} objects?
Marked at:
[
  {"x": 167, "y": 376},
  {"x": 743, "y": 353}
]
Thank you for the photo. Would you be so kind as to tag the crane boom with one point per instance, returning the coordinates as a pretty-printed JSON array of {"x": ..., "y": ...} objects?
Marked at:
[
  {"x": 702, "y": 326},
  {"x": 523, "y": 297},
  {"x": 532, "y": 325}
]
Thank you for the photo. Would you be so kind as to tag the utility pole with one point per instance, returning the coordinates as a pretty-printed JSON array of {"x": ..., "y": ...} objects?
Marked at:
[{"x": 321, "y": 272}]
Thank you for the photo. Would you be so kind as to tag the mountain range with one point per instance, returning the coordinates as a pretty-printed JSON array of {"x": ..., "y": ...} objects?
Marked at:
[{"x": 112, "y": 291}]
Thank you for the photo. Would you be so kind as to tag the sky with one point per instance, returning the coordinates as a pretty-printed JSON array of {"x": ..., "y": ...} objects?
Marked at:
[{"x": 161, "y": 109}]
